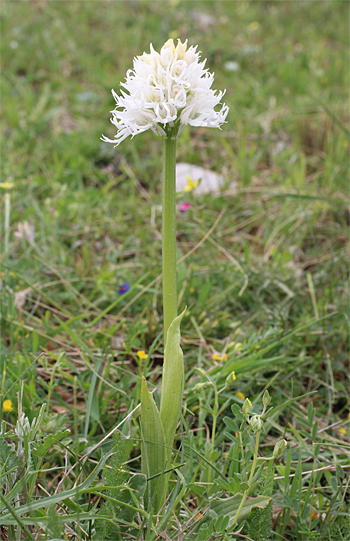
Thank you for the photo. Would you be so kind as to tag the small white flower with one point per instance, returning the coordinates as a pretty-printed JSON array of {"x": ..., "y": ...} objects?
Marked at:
[
  {"x": 166, "y": 91},
  {"x": 25, "y": 231}
]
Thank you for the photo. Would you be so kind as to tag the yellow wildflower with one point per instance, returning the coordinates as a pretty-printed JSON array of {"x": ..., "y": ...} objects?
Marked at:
[
  {"x": 240, "y": 395},
  {"x": 254, "y": 26},
  {"x": 6, "y": 185},
  {"x": 191, "y": 184},
  {"x": 237, "y": 346},
  {"x": 250, "y": 404},
  {"x": 342, "y": 430},
  {"x": 217, "y": 357},
  {"x": 7, "y": 406},
  {"x": 142, "y": 355}
]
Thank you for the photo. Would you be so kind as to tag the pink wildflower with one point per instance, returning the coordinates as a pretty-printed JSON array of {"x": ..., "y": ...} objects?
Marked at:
[{"x": 185, "y": 206}]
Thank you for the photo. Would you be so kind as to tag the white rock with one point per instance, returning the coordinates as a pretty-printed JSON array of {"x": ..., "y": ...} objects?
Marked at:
[
  {"x": 209, "y": 180},
  {"x": 231, "y": 65}
]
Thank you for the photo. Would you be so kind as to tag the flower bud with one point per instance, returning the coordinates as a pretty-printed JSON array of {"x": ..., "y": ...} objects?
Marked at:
[
  {"x": 201, "y": 371},
  {"x": 256, "y": 423},
  {"x": 230, "y": 379},
  {"x": 167, "y": 52},
  {"x": 198, "y": 388},
  {"x": 279, "y": 448},
  {"x": 181, "y": 48},
  {"x": 266, "y": 398},
  {"x": 246, "y": 408}
]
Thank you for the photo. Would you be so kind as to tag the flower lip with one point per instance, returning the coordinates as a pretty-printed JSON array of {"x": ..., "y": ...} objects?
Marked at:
[{"x": 166, "y": 91}]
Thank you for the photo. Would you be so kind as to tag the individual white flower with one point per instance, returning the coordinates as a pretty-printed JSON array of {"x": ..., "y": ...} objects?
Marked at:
[
  {"x": 166, "y": 91},
  {"x": 25, "y": 231}
]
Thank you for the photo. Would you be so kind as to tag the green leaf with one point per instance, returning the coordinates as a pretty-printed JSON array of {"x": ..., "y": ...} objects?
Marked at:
[
  {"x": 236, "y": 410},
  {"x": 287, "y": 470},
  {"x": 334, "y": 483},
  {"x": 229, "y": 506},
  {"x": 230, "y": 423},
  {"x": 272, "y": 411},
  {"x": 121, "y": 506},
  {"x": 92, "y": 406},
  {"x": 9, "y": 461},
  {"x": 153, "y": 449},
  {"x": 314, "y": 431},
  {"x": 295, "y": 505},
  {"x": 172, "y": 383},
  {"x": 45, "y": 502},
  {"x": 311, "y": 414},
  {"x": 259, "y": 523},
  {"x": 115, "y": 495},
  {"x": 41, "y": 448},
  {"x": 53, "y": 523},
  {"x": 134, "y": 490},
  {"x": 339, "y": 471},
  {"x": 36, "y": 423}
]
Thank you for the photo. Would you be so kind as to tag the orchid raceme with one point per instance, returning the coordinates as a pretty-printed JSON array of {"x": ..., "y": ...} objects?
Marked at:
[{"x": 170, "y": 89}]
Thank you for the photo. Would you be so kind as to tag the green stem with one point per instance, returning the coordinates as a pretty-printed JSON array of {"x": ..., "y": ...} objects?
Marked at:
[
  {"x": 246, "y": 492},
  {"x": 169, "y": 233},
  {"x": 215, "y": 416},
  {"x": 7, "y": 198}
]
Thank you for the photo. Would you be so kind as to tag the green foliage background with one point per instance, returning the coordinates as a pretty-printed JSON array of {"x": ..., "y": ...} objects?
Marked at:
[{"x": 271, "y": 276}]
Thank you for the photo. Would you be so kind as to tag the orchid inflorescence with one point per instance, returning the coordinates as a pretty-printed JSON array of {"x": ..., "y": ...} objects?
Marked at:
[{"x": 166, "y": 91}]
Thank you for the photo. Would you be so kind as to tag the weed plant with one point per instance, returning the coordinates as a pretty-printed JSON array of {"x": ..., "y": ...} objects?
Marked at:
[{"x": 262, "y": 270}]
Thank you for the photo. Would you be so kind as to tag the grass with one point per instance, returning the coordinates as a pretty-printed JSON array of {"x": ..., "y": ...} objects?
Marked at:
[{"x": 271, "y": 275}]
